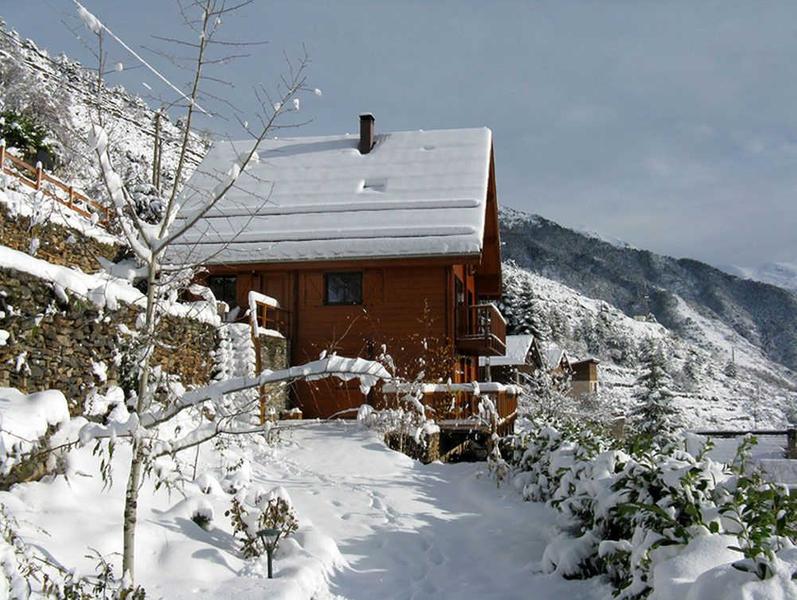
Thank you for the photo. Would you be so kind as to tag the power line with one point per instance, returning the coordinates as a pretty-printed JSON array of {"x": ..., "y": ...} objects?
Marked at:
[{"x": 141, "y": 60}]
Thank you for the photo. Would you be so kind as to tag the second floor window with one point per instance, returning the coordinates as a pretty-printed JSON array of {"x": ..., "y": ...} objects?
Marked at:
[{"x": 343, "y": 288}]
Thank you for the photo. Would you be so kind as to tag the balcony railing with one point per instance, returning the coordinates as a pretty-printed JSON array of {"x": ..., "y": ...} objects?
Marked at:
[
  {"x": 481, "y": 331},
  {"x": 267, "y": 316},
  {"x": 461, "y": 406}
]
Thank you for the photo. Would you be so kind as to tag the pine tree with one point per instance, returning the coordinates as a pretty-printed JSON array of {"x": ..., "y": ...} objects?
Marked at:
[
  {"x": 655, "y": 417},
  {"x": 730, "y": 370}
]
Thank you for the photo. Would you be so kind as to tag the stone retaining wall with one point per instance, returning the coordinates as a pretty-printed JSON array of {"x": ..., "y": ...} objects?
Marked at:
[
  {"x": 58, "y": 245},
  {"x": 54, "y": 346}
]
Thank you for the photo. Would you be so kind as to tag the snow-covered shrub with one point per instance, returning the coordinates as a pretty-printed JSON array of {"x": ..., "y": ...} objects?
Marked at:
[
  {"x": 25, "y": 572},
  {"x": 250, "y": 513},
  {"x": 762, "y": 514},
  {"x": 22, "y": 132},
  {"x": 147, "y": 201},
  {"x": 620, "y": 508}
]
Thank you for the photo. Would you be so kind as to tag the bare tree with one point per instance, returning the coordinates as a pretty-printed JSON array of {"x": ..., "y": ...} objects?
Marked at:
[{"x": 155, "y": 402}]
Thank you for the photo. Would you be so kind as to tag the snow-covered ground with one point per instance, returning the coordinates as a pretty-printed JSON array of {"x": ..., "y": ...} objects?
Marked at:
[{"x": 402, "y": 529}]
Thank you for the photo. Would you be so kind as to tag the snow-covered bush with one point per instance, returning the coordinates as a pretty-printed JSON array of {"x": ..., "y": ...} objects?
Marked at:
[
  {"x": 255, "y": 511},
  {"x": 762, "y": 514},
  {"x": 621, "y": 508},
  {"x": 22, "y": 132},
  {"x": 26, "y": 572}
]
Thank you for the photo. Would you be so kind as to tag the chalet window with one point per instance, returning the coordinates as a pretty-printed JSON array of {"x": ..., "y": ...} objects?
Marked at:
[
  {"x": 343, "y": 288},
  {"x": 224, "y": 288}
]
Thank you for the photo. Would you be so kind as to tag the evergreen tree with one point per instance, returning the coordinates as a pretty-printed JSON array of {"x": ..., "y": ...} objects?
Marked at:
[
  {"x": 730, "y": 369},
  {"x": 692, "y": 372},
  {"x": 524, "y": 311},
  {"x": 655, "y": 417}
]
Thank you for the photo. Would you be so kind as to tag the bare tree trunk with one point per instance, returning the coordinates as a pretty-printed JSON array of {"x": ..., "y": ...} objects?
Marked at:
[
  {"x": 137, "y": 458},
  {"x": 131, "y": 513}
]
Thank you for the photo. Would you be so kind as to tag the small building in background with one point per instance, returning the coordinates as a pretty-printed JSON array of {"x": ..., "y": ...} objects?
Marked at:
[
  {"x": 584, "y": 378},
  {"x": 525, "y": 355}
]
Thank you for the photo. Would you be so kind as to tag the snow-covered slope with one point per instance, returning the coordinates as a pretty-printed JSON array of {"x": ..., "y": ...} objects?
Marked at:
[
  {"x": 781, "y": 274},
  {"x": 761, "y": 394},
  {"x": 640, "y": 282},
  {"x": 63, "y": 95}
]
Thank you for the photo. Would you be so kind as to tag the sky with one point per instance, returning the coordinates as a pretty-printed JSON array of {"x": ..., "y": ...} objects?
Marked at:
[{"x": 671, "y": 125}]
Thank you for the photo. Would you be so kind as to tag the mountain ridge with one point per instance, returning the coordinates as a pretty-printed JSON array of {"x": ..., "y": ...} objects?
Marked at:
[{"x": 641, "y": 282}]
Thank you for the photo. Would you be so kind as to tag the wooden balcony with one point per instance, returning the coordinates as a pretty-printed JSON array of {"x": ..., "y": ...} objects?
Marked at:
[
  {"x": 481, "y": 331},
  {"x": 455, "y": 406}
]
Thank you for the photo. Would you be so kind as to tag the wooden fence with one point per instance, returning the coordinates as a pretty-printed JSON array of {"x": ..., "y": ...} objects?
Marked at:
[
  {"x": 37, "y": 178},
  {"x": 790, "y": 435}
]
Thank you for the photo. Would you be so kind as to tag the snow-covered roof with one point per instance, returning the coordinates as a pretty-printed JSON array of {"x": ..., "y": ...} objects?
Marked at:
[
  {"x": 517, "y": 348},
  {"x": 417, "y": 193},
  {"x": 552, "y": 354},
  {"x": 588, "y": 359}
]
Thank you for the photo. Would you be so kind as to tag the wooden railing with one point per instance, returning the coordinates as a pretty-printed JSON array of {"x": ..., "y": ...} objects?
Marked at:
[
  {"x": 38, "y": 179},
  {"x": 266, "y": 317},
  {"x": 455, "y": 406},
  {"x": 790, "y": 435},
  {"x": 481, "y": 331}
]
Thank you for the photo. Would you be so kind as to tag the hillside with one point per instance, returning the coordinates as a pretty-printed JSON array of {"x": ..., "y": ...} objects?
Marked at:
[
  {"x": 761, "y": 393},
  {"x": 62, "y": 94},
  {"x": 640, "y": 282}
]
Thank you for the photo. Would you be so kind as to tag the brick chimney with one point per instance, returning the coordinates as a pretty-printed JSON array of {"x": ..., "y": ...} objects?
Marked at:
[{"x": 366, "y": 133}]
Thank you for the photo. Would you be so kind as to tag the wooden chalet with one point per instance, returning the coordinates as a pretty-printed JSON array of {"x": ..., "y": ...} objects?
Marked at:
[
  {"x": 584, "y": 378},
  {"x": 525, "y": 355},
  {"x": 377, "y": 244},
  {"x": 522, "y": 358}
]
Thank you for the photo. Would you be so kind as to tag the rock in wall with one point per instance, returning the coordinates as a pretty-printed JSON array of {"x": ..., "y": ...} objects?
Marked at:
[{"x": 76, "y": 347}]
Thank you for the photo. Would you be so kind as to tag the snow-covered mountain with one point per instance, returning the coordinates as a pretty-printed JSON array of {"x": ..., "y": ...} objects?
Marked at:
[
  {"x": 781, "y": 274},
  {"x": 640, "y": 282},
  {"x": 595, "y": 298},
  {"x": 756, "y": 392}
]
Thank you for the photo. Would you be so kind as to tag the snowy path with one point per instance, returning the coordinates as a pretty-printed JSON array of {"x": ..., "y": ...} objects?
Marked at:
[
  {"x": 416, "y": 531},
  {"x": 406, "y": 530}
]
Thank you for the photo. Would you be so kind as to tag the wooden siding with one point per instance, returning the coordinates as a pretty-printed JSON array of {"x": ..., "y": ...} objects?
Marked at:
[
  {"x": 409, "y": 307},
  {"x": 405, "y": 309},
  {"x": 488, "y": 273}
]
